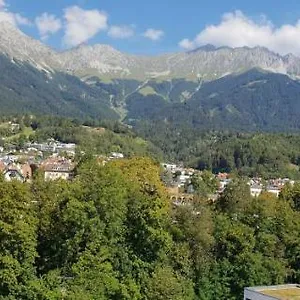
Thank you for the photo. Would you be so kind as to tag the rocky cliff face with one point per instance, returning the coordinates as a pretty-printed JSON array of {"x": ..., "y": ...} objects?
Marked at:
[
  {"x": 207, "y": 63},
  {"x": 18, "y": 46}
]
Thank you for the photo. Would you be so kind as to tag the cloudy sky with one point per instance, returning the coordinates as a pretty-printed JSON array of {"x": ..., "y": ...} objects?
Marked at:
[{"x": 156, "y": 26}]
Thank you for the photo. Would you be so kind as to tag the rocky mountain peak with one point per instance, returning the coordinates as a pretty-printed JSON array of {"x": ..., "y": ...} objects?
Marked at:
[
  {"x": 19, "y": 46},
  {"x": 207, "y": 62},
  {"x": 205, "y": 48}
]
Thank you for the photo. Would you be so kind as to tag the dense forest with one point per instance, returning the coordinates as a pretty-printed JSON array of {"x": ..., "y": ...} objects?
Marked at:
[
  {"x": 247, "y": 154},
  {"x": 25, "y": 89},
  {"x": 112, "y": 233},
  {"x": 252, "y": 101}
]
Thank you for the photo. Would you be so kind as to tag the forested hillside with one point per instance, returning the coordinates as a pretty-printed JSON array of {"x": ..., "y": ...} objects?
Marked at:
[
  {"x": 92, "y": 137},
  {"x": 25, "y": 89},
  {"x": 251, "y": 101},
  {"x": 266, "y": 155},
  {"x": 250, "y": 154}
]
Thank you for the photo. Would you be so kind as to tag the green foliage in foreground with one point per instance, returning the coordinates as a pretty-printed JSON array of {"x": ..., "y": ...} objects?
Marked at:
[{"x": 112, "y": 234}]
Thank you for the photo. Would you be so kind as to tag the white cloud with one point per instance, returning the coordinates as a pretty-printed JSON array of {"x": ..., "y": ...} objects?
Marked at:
[
  {"x": 12, "y": 18},
  {"x": 121, "y": 32},
  {"x": 238, "y": 30},
  {"x": 47, "y": 24},
  {"x": 153, "y": 34},
  {"x": 20, "y": 20},
  {"x": 2, "y": 4},
  {"x": 186, "y": 44},
  {"x": 82, "y": 25}
]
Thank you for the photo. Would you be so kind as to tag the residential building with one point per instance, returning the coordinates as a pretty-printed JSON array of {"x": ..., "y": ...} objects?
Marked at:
[
  {"x": 222, "y": 176},
  {"x": 14, "y": 171},
  {"x": 223, "y": 183},
  {"x": 278, "y": 292},
  {"x": 52, "y": 146},
  {"x": 256, "y": 190},
  {"x": 116, "y": 155},
  {"x": 183, "y": 178},
  {"x": 58, "y": 168},
  {"x": 274, "y": 190},
  {"x": 14, "y": 126},
  {"x": 273, "y": 186},
  {"x": 169, "y": 167}
]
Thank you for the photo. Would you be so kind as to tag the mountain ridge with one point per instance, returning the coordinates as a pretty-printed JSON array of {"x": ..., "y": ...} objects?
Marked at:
[
  {"x": 232, "y": 88},
  {"x": 249, "y": 101},
  {"x": 207, "y": 62}
]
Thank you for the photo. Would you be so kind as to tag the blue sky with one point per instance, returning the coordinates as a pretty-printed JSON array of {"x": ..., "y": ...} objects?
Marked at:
[{"x": 158, "y": 26}]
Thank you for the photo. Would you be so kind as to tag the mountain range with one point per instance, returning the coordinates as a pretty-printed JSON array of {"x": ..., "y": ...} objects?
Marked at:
[
  {"x": 207, "y": 62},
  {"x": 209, "y": 87}
]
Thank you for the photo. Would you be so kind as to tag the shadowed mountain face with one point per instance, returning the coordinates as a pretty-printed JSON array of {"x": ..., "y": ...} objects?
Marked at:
[{"x": 25, "y": 89}]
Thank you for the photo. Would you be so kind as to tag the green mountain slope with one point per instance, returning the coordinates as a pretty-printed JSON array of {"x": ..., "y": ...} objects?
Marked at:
[
  {"x": 253, "y": 100},
  {"x": 24, "y": 88}
]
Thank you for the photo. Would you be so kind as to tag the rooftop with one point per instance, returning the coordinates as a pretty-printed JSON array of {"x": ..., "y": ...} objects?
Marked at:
[{"x": 279, "y": 292}]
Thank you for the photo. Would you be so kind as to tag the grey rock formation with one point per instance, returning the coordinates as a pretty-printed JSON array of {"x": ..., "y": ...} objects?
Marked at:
[{"x": 207, "y": 62}]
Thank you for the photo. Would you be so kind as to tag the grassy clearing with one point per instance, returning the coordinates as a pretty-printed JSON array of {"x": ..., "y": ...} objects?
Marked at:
[
  {"x": 27, "y": 131},
  {"x": 147, "y": 90}
]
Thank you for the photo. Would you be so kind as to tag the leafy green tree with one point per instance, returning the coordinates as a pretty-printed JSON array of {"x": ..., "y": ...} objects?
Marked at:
[
  {"x": 164, "y": 283},
  {"x": 292, "y": 194},
  {"x": 204, "y": 183},
  {"x": 236, "y": 197},
  {"x": 18, "y": 227}
]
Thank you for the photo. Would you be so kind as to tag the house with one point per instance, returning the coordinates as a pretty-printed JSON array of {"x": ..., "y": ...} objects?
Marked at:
[
  {"x": 169, "y": 167},
  {"x": 183, "y": 178},
  {"x": 277, "y": 292},
  {"x": 274, "y": 190},
  {"x": 14, "y": 171},
  {"x": 222, "y": 176},
  {"x": 223, "y": 183},
  {"x": 53, "y": 146},
  {"x": 256, "y": 190},
  {"x": 14, "y": 126},
  {"x": 116, "y": 155},
  {"x": 58, "y": 168}
]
